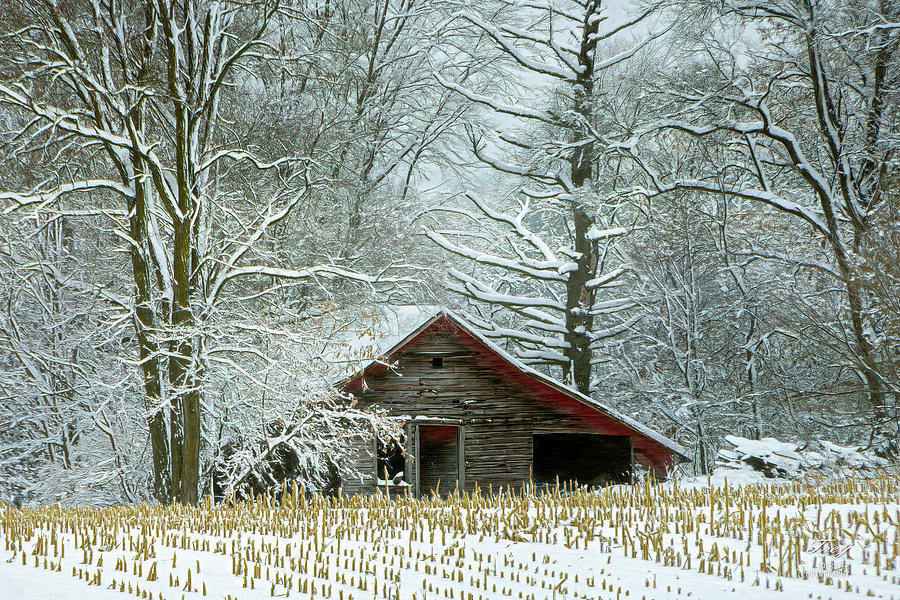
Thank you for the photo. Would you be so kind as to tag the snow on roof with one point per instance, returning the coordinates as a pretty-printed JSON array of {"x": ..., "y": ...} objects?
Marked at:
[
  {"x": 402, "y": 323},
  {"x": 352, "y": 342}
]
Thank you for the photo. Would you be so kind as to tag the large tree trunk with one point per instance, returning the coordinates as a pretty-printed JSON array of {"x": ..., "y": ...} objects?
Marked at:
[
  {"x": 145, "y": 316},
  {"x": 185, "y": 424},
  {"x": 864, "y": 347},
  {"x": 827, "y": 115},
  {"x": 580, "y": 299},
  {"x": 144, "y": 321}
]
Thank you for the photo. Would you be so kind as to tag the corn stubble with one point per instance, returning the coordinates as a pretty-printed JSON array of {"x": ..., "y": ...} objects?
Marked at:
[{"x": 472, "y": 546}]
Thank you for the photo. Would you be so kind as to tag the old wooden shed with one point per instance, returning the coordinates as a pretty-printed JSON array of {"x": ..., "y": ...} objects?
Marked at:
[{"x": 473, "y": 414}]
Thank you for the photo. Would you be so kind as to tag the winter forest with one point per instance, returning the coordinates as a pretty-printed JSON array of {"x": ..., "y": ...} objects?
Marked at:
[{"x": 689, "y": 209}]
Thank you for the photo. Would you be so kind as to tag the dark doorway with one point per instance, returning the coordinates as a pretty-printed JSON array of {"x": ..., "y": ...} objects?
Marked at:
[
  {"x": 585, "y": 458},
  {"x": 438, "y": 459},
  {"x": 391, "y": 460}
]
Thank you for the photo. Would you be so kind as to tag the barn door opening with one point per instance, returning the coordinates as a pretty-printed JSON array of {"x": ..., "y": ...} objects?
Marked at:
[
  {"x": 439, "y": 449},
  {"x": 585, "y": 458}
]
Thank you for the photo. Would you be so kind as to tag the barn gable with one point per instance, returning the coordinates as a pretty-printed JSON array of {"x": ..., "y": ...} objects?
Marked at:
[{"x": 448, "y": 381}]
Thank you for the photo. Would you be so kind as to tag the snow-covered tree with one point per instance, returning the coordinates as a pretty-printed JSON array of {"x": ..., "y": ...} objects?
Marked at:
[
  {"x": 552, "y": 262},
  {"x": 65, "y": 418},
  {"x": 797, "y": 114},
  {"x": 718, "y": 347},
  {"x": 137, "y": 119}
]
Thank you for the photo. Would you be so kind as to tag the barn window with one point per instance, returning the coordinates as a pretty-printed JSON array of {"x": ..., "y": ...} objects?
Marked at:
[
  {"x": 585, "y": 458},
  {"x": 391, "y": 461},
  {"x": 437, "y": 362}
]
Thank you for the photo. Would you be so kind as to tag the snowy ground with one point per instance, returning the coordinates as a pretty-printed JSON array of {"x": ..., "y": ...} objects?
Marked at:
[{"x": 688, "y": 540}]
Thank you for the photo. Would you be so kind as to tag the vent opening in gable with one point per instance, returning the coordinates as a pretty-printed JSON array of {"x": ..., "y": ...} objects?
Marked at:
[{"x": 437, "y": 362}]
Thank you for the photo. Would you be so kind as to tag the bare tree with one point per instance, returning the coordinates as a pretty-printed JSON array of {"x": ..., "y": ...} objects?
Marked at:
[
  {"x": 521, "y": 273},
  {"x": 561, "y": 50},
  {"x": 61, "y": 384},
  {"x": 803, "y": 121},
  {"x": 130, "y": 108}
]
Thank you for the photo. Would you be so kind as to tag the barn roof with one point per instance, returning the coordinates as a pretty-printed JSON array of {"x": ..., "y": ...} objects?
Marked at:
[{"x": 431, "y": 315}]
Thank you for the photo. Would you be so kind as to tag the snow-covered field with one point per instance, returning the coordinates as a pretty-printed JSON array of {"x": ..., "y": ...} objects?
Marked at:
[{"x": 694, "y": 539}]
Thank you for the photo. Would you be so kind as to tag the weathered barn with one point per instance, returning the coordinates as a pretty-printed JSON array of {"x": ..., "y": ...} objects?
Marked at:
[{"x": 475, "y": 415}]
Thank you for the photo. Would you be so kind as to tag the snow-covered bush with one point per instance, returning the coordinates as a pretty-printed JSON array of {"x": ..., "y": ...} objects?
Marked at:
[{"x": 776, "y": 459}]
